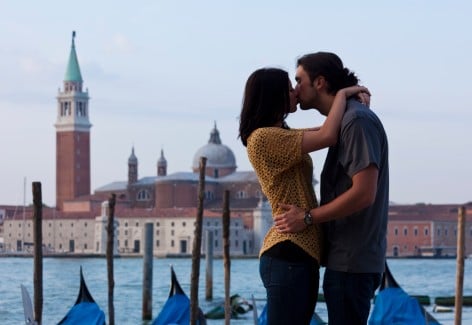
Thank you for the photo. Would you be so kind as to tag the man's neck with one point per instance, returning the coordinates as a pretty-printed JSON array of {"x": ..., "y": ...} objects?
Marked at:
[{"x": 325, "y": 104}]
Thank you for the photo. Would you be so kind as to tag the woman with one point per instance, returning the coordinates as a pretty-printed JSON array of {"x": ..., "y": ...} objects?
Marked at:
[{"x": 289, "y": 262}]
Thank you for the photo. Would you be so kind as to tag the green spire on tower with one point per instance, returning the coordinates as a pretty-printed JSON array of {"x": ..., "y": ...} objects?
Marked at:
[{"x": 73, "y": 69}]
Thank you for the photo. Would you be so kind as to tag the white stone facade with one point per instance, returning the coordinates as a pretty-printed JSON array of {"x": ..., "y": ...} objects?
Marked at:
[
  {"x": 176, "y": 235},
  {"x": 59, "y": 235},
  {"x": 171, "y": 235}
]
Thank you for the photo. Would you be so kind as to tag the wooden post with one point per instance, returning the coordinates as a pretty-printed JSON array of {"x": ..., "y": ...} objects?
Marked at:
[
  {"x": 209, "y": 265},
  {"x": 460, "y": 265},
  {"x": 226, "y": 258},
  {"x": 38, "y": 251},
  {"x": 147, "y": 271},
  {"x": 110, "y": 251},
  {"x": 197, "y": 244}
]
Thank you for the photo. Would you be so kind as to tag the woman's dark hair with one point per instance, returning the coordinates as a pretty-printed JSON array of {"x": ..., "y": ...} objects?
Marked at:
[
  {"x": 330, "y": 66},
  {"x": 266, "y": 101}
]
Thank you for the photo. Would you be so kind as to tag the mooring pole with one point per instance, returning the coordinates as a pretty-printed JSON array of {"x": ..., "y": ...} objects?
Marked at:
[
  {"x": 38, "y": 251},
  {"x": 460, "y": 265},
  {"x": 147, "y": 271},
  {"x": 209, "y": 265},
  {"x": 110, "y": 251},
  {"x": 197, "y": 246},
  {"x": 226, "y": 258}
]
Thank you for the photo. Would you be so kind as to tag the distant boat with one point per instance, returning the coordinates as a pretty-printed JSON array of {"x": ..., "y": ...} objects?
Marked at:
[
  {"x": 176, "y": 310},
  {"x": 442, "y": 309},
  {"x": 85, "y": 310},
  {"x": 238, "y": 305},
  {"x": 393, "y": 305}
]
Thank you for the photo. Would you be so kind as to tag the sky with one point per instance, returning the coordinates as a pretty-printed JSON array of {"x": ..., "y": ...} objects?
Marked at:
[{"x": 160, "y": 74}]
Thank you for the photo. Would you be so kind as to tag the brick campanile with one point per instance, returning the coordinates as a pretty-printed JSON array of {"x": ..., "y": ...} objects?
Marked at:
[{"x": 72, "y": 135}]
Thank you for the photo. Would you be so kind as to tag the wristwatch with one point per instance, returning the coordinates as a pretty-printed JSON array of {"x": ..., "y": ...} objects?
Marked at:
[{"x": 308, "y": 218}]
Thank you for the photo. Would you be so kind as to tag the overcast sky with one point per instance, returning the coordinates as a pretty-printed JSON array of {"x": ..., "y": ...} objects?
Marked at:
[{"x": 160, "y": 73}]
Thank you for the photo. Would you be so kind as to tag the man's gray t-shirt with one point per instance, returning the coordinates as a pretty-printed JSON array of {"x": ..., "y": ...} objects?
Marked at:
[{"x": 357, "y": 243}]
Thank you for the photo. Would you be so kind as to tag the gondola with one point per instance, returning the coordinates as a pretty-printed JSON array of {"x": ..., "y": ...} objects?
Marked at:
[
  {"x": 176, "y": 310},
  {"x": 85, "y": 310},
  {"x": 27, "y": 307},
  {"x": 393, "y": 305}
]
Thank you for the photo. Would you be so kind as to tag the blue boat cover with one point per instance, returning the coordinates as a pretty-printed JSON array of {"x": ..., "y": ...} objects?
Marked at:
[
  {"x": 84, "y": 313},
  {"x": 262, "y": 320},
  {"x": 395, "y": 306},
  {"x": 175, "y": 311}
]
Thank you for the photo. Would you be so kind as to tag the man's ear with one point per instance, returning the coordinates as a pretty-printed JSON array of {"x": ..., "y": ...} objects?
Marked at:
[{"x": 319, "y": 82}]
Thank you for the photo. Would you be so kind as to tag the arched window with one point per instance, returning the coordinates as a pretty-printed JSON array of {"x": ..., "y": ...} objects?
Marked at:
[{"x": 143, "y": 195}]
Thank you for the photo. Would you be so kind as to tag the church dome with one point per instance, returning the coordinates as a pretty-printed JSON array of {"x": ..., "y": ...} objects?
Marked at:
[{"x": 218, "y": 155}]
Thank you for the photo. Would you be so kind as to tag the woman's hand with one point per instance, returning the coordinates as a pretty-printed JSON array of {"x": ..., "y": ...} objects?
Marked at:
[
  {"x": 291, "y": 220},
  {"x": 364, "y": 98},
  {"x": 361, "y": 92}
]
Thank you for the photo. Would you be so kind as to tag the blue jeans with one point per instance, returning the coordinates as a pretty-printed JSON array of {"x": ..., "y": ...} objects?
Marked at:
[
  {"x": 292, "y": 290},
  {"x": 348, "y": 296}
]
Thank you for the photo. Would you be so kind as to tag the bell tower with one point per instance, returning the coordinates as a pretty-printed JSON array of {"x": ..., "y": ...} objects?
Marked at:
[{"x": 72, "y": 135}]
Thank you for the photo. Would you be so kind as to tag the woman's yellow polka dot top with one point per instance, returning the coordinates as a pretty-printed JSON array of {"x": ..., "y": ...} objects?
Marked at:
[{"x": 286, "y": 176}]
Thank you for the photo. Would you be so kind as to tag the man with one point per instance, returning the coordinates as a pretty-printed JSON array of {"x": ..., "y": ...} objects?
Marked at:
[{"x": 354, "y": 193}]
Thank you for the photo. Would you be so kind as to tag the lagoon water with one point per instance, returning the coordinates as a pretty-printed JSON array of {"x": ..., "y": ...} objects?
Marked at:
[{"x": 432, "y": 277}]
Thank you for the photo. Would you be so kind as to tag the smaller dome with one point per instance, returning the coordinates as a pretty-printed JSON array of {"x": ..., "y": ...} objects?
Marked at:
[{"x": 218, "y": 155}]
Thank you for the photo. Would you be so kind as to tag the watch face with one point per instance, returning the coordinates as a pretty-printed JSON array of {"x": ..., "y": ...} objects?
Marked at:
[{"x": 308, "y": 219}]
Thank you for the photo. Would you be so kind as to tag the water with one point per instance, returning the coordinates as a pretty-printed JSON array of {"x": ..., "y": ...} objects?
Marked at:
[{"x": 61, "y": 284}]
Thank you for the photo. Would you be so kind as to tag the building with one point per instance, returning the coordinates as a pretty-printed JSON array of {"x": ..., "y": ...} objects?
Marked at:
[
  {"x": 168, "y": 201},
  {"x": 72, "y": 135},
  {"x": 426, "y": 230},
  {"x": 420, "y": 230},
  {"x": 2, "y": 235}
]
